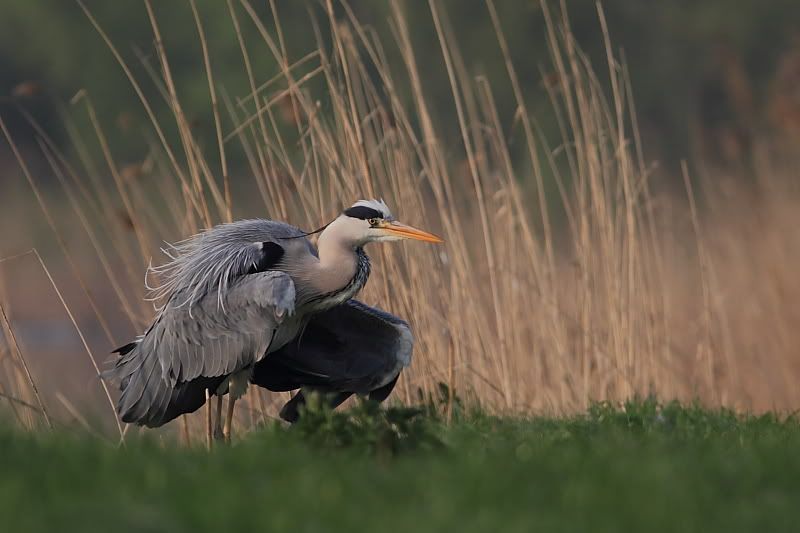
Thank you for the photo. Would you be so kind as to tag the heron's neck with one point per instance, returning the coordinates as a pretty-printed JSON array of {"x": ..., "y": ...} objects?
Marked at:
[
  {"x": 340, "y": 262},
  {"x": 336, "y": 267}
]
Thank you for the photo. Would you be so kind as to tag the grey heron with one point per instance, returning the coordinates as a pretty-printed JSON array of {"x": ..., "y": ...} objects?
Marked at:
[{"x": 254, "y": 301}]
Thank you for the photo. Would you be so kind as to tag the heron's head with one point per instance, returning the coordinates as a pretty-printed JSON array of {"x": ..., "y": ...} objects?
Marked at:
[{"x": 371, "y": 221}]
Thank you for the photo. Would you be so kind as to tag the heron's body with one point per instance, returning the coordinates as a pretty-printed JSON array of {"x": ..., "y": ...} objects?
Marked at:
[{"x": 254, "y": 300}]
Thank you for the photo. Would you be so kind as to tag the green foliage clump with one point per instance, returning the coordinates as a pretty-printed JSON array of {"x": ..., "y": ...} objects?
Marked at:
[{"x": 368, "y": 427}]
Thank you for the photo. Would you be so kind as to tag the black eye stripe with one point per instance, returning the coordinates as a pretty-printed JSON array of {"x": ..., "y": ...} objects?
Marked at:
[{"x": 363, "y": 212}]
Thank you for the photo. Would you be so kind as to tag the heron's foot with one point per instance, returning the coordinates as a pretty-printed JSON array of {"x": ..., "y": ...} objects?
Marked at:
[{"x": 219, "y": 434}]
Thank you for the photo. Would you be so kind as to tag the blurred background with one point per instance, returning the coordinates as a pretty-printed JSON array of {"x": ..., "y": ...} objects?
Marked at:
[
  {"x": 707, "y": 76},
  {"x": 715, "y": 84}
]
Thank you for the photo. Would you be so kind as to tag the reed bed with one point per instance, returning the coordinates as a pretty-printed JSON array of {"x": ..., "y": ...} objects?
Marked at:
[{"x": 570, "y": 272}]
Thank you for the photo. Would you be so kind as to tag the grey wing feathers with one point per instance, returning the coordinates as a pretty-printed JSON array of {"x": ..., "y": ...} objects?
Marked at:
[
  {"x": 209, "y": 261},
  {"x": 215, "y": 336},
  {"x": 351, "y": 347}
]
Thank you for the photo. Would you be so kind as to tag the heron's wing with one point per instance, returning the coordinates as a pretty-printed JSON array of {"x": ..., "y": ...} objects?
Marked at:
[
  {"x": 219, "y": 334},
  {"x": 351, "y": 347}
]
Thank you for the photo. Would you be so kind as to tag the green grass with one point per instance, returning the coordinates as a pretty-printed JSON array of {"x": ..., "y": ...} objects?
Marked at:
[{"x": 644, "y": 468}]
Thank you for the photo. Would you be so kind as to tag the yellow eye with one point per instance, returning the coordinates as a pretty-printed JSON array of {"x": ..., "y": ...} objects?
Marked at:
[{"x": 373, "y": 221}]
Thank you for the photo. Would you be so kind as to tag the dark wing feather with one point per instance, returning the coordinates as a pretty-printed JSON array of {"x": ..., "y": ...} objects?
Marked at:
[
  {"x": 348, "y": 348},
  {"x": 188, "y": 397}
]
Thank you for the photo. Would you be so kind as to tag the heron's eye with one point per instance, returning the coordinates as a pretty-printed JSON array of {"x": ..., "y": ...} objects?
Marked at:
[{"x": 373, "y": 222}]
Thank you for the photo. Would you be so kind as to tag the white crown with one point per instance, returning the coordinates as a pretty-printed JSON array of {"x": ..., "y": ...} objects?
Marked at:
[{"x": 378, "y": 205}]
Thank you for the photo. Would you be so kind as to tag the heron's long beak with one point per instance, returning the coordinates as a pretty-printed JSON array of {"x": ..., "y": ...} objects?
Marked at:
[{"x": 407, "y": 232}]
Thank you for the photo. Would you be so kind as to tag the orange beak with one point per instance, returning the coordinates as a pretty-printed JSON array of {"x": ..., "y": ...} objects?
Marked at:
[{"x": 407, "y": 232}]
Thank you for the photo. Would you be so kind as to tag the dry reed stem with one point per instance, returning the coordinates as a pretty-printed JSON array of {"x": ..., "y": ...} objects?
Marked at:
[
  {"x": 16, "y": 401},
  {"x": 54, "y": 228},
  {"x": 78, "y": 330},
  {"x": 215, "y": 109},
  {"x": 98, "y": 249},
  {"x": 76, "y": 414},
  {"x": 9, "y": 332}
]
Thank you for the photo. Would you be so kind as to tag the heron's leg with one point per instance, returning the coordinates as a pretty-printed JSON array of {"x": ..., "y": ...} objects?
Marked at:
[
  {"x": 218, "y": 419},
  {"x": 226, "y": 431},
  {"x": 209, "y": 420}
]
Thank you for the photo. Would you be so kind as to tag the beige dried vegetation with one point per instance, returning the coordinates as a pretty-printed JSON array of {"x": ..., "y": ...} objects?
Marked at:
[{"x": 565, "y": 277}]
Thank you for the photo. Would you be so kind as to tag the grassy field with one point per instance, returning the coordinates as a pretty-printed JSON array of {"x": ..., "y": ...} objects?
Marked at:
[{"x": 639, "y": 468}]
